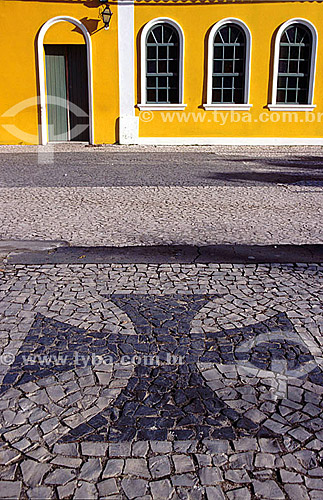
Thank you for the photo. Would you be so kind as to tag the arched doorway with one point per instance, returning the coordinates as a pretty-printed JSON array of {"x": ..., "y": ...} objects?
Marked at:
[{"x": 63, "y": 70}]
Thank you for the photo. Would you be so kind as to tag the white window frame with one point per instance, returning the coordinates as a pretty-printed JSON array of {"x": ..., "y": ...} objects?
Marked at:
[
  {"x": 143, "y": 57},
  {"x": 245, "y": 105},
  {"x": 274, "y": 106}
]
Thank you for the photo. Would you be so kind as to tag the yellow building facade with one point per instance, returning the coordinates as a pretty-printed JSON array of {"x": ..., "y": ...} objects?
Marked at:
[{"x": 164, "y": 72}]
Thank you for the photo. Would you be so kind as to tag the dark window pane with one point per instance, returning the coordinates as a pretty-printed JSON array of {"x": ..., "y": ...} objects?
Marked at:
[
  {"x": 162, "y": 81},
  {"x": 157, "y": 31},
  {"x": 227, "y": 95},
  {"x": 291, "y": 96},
  {"x": 216, "y": 96},
  {"x": 281, "y": 96},
  {"x": 293, "y": 67},
  {"x": 284, "y": 38},
  {"x": 151, "y": 38},
  {"x": 292, "y": 34},
  {"x": 151, "y": 81},
  {"x": 162, "y": 66},
  {"x": 173, "y": 96},
  {"x": 151, "y": 66},
  {"x": 303, "y": 67},
  {"x": 235, "y": 34},
  {"x": 294, "y": 52},
  {"x": 217, "y": 67},
  {"x": 151, "y": 95},
  {"x": 228, "y": 66},
  {"x": 173, "y": 67},
  {"x": 225, "y": 34},
  {"x": 239, "y": 82},
  {"x": 239, "y": 66},
  {"x": 284, "y": 52},
  {"x": 217, "y": 82},
  {"x": 292, "y": 82},
  {"x": 303, "y": 36},
  {"x": 162, "y": 95},
  {"x": 173, "y": 82},
  {"x": 302, "y": 96},
  {"x": 238, "y": 96},
  {"x": 228, "y": 52},
  {"x": 173, "y": 52},
  {"x": 240, "y": 52},
  {"x": 169, "y": 35},
  {"x": 218, "y": 52},
  {"x": 282, "y": 82},
  {"x": 227, "y": 82},
  {"x": 162, "y": 52},
  {"x": 283, "y": 66},
  {"x": 151, "y": 52},
  {"x": 303, "y": 82}
]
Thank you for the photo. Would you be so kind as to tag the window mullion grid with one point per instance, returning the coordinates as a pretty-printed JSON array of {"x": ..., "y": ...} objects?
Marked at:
[
  {"x": 168, "y": 74},
  {"x": 157, "y": 71},
  {"x": 298, "y": 55},
  {"x": 163, "y": 73},
  {"x": 288, "y": 73},
  {"x": 233, "y": 78},
  {"x": 286, "y": 89},
  {"x": 300, "y": 74}
]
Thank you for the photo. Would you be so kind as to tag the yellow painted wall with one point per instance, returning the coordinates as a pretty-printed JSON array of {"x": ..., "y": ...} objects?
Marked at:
[
  {"x": 263, "y": 19},
  {"x": 20, "y": 22}
]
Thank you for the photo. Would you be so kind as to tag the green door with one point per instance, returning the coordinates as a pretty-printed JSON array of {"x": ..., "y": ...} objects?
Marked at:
[
  {"x": 55, "y": 58},
  {"x": 67, "y": 92}
]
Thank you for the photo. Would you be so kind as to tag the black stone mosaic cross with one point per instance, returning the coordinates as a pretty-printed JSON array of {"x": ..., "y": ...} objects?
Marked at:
[{"x": 166, "y": 401}]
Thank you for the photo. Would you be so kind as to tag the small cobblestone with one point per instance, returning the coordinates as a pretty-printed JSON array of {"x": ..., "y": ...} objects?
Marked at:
[{"x": 268, "y": 489}]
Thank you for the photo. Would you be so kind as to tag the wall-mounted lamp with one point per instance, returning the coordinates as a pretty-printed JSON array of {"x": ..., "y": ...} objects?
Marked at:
[{"x": 106, "y": 15}]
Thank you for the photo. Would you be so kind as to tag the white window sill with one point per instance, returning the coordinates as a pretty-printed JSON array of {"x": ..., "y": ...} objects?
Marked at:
[
  {"x": 160, "y": 107},
  {"x": 236, "y": 107},
  {"x": 291, "y": 107}
]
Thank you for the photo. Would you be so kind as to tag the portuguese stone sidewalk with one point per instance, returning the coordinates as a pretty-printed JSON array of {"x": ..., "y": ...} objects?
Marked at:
[{"x": 161, "y": 382}]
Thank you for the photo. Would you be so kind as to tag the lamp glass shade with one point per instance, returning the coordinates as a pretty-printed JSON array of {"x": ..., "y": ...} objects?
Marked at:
[{"x": 106, "y": 16}]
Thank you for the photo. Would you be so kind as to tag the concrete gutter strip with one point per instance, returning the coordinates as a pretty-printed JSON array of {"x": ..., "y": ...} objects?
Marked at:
[{"x": 163, "y": 254}]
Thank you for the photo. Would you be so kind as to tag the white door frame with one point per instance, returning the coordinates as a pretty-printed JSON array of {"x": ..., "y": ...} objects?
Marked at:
[{"x": 41, "y": 74}]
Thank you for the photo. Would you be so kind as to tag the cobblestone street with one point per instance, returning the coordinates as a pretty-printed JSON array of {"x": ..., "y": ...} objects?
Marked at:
[
  {"x": 161, "y": 381},
  {"x": 121, "y": 196}
]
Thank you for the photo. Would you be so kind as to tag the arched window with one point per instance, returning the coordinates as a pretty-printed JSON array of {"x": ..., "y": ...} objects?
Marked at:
[
  {"x": 162, "y": 64},
  {"x": 294, "y": 65},
  {"x": 229, "y": 54},
  {"x": 229, "y": 65}
]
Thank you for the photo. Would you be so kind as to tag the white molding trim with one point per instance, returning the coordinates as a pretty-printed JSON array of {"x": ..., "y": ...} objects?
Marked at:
[
  {"x": 214, "y": 29},
  {"x": 128, "y": 122},
  {"x": 41, "y": 74},
  {"x": 279, "y": 33},
  {"x": 143, "y": 56},
  {"x": 237, "y": 107},
  {"x": 230, "y": 141},
  {"x": 291, "y": 107},
  {"x": 160, "y": 107}
]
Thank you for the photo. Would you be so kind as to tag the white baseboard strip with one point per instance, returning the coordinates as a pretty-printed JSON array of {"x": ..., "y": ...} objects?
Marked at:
[{"x": 231, "y": 141}]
